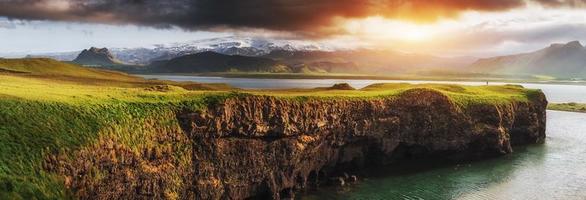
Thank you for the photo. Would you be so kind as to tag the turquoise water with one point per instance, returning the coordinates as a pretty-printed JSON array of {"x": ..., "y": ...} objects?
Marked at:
[{"x": 554, "y": 170}]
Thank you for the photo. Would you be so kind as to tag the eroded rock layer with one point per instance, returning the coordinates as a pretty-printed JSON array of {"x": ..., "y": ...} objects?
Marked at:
[{"x": 269, "y": 147}]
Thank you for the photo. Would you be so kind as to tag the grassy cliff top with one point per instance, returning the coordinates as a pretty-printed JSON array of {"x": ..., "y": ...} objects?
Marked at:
[
  {"x": 66, "y": 91},
  {"x": 57, "y": 111}
]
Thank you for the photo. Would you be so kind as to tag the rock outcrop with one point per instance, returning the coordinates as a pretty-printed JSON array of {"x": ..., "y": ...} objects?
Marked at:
[
  {"x": 96, "y": 57},
  {"x": 268, "y": 147}
]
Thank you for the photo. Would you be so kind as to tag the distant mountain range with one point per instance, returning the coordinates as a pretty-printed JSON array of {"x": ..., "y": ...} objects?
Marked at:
[
  {"x": 288, "y": 51},
  {"x": 558, "y": 60},
  {"x": 219, "y": 55},
  {"x": 368, "y": 61},
  {"x": 226, "y": 45},
  {"x": 233, "y": 54},
  {"x": 352, "y": 62}
]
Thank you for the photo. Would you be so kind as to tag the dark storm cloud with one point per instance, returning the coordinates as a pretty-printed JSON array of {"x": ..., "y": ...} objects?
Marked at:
[
  {"x": 194, "y": 14},
  {"x": 144, "y": 12},
  {"x": 281, "y": 15}
]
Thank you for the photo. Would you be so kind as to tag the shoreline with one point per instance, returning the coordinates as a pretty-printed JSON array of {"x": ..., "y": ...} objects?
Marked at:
[{"x": 364, "y": 77}]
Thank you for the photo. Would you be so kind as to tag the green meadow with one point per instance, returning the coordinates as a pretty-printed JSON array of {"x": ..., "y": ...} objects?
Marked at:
[
  {"x": 570, "y": 107},
  {"x": 49, "y": 107}
]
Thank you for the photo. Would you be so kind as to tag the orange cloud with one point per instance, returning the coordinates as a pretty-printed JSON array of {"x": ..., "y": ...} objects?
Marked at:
[{"x": 431, "y": 10}]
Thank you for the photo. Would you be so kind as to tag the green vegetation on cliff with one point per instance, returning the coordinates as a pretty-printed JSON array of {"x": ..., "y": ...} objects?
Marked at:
[
  {"x": 43, "y": 114},
  {"x": 459, "y": 94},
  {"x": 41, "y": 118}
]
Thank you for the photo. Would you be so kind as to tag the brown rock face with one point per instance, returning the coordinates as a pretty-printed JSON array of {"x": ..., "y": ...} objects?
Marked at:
[{"x": 268, "y": 147}]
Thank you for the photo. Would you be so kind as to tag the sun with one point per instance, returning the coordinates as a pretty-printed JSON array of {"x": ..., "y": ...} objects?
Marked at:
[{"x": 415, "y": 35}]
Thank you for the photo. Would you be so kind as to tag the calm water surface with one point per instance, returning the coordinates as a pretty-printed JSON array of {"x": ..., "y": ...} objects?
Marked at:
[
  {"x": 554, "y": 92},
  {"x": 554, "y": 170}
]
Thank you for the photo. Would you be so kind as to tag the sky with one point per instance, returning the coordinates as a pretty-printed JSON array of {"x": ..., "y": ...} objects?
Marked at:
[{"x": 478, "y": 28}]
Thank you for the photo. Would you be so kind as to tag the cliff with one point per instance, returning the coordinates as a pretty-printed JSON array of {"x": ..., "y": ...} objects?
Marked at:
[
  {"x": 265, "y": 146},
  {"x": 139, "y": 143},
  {"x": 269, "y": 147}
]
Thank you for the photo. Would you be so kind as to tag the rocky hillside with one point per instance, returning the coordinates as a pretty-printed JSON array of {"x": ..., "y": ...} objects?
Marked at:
[
  {"x": 558, "y": 60},
  {"x": 96, "y": 57}
]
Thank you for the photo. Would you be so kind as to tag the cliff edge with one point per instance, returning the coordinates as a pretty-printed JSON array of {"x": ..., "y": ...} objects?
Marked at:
[
  {"x": 269, "y": 147},
  {"x": 138, "y": 143}
]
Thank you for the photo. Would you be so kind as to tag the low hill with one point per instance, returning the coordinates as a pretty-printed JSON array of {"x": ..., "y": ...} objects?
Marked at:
[
  {"x": 50, "y": 67},
  {"x": 96, "y": 57},
  {"x": 558, "y": 60},
  {"x": 216, "y": 62},
  {"x": 365, "y": 61}
]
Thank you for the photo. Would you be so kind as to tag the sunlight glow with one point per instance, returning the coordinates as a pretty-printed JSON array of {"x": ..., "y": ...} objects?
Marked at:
[
  {"x": 473, "y": 32},
  {"x": 379, "y": 28}
]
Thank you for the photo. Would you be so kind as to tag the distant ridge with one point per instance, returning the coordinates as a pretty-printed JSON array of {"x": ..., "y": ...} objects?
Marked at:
[
  {"x": 215, "y": 62},
  {"x": 96, "y": 57},
  {"x": 558, "y": 60}
]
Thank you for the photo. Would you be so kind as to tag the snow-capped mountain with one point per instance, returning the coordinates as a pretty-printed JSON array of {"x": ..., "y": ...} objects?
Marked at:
[
  {"x": 233, "y": 45},
  {"x": 230, "y": 46},
  {"x": 260, "y": 45},
  {"x": 225, "y": 45}
]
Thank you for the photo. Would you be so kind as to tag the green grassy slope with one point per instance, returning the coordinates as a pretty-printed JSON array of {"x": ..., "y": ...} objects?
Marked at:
[
  {"x": 41, "y": 116},
  {"x": 50, "y": 67},
  {"x": 570, "y": 107}
]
